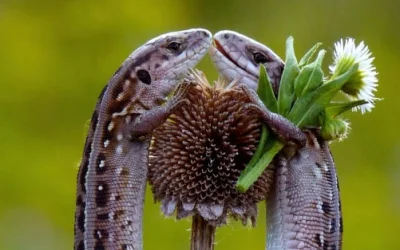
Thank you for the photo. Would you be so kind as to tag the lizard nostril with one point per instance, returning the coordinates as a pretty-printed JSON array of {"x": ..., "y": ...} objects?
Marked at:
[
  {"x": 204, "y": 33},
  {"x": 226, "y": 36}
]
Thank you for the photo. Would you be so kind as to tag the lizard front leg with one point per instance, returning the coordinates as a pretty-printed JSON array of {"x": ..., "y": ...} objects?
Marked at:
[
  {"x": 147, "y": 122},
  {"x": 282, "y": 127}
]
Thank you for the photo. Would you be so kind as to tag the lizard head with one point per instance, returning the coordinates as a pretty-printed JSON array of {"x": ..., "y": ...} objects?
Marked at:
[
  {"x": 164, "y": 61},
  {"x": 238, "y": 56}
]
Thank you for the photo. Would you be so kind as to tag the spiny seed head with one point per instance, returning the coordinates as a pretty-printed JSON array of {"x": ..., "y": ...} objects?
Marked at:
[{"x": 197, "y": 155}]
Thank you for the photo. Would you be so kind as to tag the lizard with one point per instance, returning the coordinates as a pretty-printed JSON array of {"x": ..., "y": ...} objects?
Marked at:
[
  {"x": 304, "y": 207},
  {"x": 112, "y": 175}
]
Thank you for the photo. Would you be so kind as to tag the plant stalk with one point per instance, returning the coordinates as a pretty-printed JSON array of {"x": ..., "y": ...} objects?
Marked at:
[{"x": 202, "y": 234}]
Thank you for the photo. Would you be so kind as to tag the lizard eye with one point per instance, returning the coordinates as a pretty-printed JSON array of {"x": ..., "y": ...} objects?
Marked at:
[
  {"x": 173, "y": 46},
  {"x": 260, "y": 58}
]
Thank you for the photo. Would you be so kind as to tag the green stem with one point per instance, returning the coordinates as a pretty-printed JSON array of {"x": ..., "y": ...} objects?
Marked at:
[
  {"x": 251, "y": 174},
  {"x": 260, "y": 148}
]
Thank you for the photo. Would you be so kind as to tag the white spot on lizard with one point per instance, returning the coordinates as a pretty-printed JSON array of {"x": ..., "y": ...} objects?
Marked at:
[
  {"x": 317, "y": 173},
  {"x": 110, "y": 126},
  {"x": 319, "y": 206},
  {"x": 119, "y": 149},
  {"x": 325, "y": 167},
  {"x": 321, "y": 238},
  {"x": 119, "y": 170},
  {"x": 102, "y": 164},
  {"x": 111, "y": 216}
]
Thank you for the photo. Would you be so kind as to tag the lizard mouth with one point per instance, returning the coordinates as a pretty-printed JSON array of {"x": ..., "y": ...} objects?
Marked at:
[
  {"x": 217, "y": 45},
  {"x": 228, "y": 58}
]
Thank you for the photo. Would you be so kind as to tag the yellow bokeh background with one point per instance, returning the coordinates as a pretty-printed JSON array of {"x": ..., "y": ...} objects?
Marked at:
[{"x": 56, "y": 56}]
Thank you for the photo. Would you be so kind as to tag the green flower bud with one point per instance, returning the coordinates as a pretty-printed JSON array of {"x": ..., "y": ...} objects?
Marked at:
[{"x": 334, "y": 129}]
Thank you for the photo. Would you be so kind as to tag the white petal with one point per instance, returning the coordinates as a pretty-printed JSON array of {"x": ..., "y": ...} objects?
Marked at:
[{"x": 346, "y": 51}]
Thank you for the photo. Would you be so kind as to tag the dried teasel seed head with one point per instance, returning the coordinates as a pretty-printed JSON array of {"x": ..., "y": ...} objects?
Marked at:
[{"x": 197, "y": 155}]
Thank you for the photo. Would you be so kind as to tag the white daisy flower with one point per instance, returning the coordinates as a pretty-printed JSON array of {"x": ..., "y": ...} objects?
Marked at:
[{"x": 363, "y": 83}]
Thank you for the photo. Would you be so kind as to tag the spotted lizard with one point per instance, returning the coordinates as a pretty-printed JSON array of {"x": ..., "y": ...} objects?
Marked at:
[
  {"x": 303, "y": 208},
  {"x": 113, "y": 171}
]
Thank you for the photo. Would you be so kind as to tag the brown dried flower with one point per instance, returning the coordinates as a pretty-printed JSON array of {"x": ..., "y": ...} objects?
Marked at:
[{"x": 197, "y": 155}]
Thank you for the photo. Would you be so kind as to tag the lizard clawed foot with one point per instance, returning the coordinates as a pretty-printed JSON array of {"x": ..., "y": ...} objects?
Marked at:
[
  {"x": 145, "y": 123},
  {"x": 179, "y": 99},
  {"x": 282, "y": 127}
]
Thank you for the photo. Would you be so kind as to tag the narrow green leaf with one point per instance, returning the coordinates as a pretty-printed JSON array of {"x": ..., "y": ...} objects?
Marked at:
[
  {"x": 260, "y": 148},
  {"x": 309, "y": 79},
  {"x": 290, "y": 72},
  {"x": 320, "y": 58},
  {"x": 306, "y": 58},
  {"x": 250, "y": 175},
  {"x": 267, "y": 96},
  {"x": 265, "y": 91},
  {"x": 311, "y": 76},
  {"x": 307, "y": 108},
  {"x": 337, "y": 108}
]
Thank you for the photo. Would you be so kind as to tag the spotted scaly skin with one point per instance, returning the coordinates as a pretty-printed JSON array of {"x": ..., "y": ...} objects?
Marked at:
[
  {"x": 113, "y": 172},
  {"x": 303, "y": 209}
]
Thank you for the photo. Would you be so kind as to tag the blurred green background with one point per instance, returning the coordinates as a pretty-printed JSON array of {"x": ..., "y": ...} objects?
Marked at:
[{"x": 56, "y": 56}]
